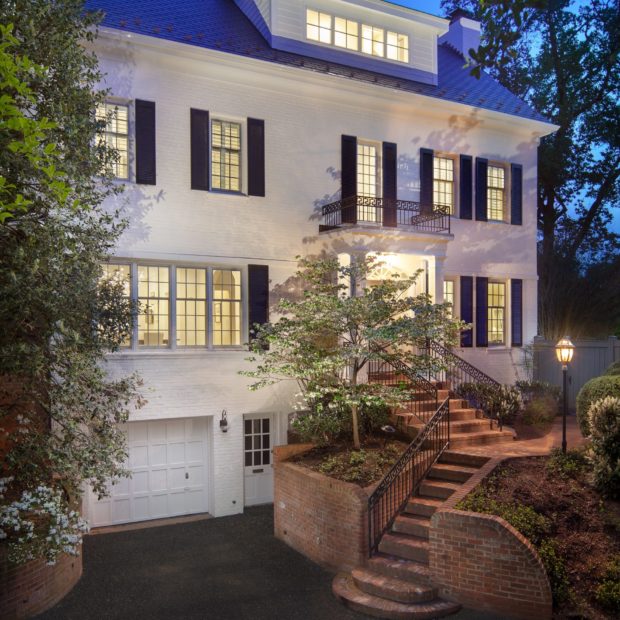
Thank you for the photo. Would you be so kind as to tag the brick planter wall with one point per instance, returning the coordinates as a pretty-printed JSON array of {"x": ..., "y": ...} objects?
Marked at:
[
  {"x": 322, "y": 518},
  {"x": 32, "y": 588},
  {"x": 482, "y": 562}
]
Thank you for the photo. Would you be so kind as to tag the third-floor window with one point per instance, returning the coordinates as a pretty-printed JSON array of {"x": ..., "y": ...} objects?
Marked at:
[{"x": 226, "y": 155}]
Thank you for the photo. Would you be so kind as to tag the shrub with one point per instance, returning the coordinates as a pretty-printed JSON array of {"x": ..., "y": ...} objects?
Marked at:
[
  {"x": 604, "y": 419},
  {"x": 568, "y": 465},
  {"x": 593, "y": 390},
  {"x": 502, "y": 403},
  {"x": 540, "y": 411},
  {"x": 532, "y": 390},
  {"x": 613, "y": 370},
  {"x": 556, "y": 570},
  {"x": 608, "y": 592}
]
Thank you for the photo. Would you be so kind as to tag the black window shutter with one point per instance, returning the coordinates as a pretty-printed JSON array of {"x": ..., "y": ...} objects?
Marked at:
[
  {"x": 482, "y": 304},
  {"x": 481, "y": 188},
  {"x": 467, "y": 309},
  {"x": 516, "y": 194},
  {"x": 199, "y": 147},
  {"x": 349, "y": 179},
  {"x": 426, "y": 180},
  {"x": 145, "y": 142},
  {"x": 258, "y": 296},
  {"x": 466, "y": 187},
  {"x": 256, "y": 157},
  {"x": 389, "y": 183},
  {"x": 516, "y": 312}
]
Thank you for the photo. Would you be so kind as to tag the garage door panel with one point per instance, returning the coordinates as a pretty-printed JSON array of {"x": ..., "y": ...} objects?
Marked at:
[
  {"x": 157, "y": 432},
  {"x": 194, "y": 500},
  {"x": 121, "y": 488},
  {"x": 176, "y": 453},
  {"x": 121, "y": 510},
  {"x": 175, "y": 431},
  {"x": 194, "y": 452},
  {"x": 158, "y": 507},
  {"x": 158, "y": 455},
  {"x": 159, "y": 480},
  {"x": 176, "y": 478},
  {"x": 141, "y": 508},
  {"x": 196, "y": 476},
  {"x": 140, "y": 482},
  {"x": 138, "y": 456}
]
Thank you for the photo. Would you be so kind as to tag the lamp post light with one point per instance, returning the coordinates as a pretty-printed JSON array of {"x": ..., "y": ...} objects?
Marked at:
[{"x": 564, "y": 350}]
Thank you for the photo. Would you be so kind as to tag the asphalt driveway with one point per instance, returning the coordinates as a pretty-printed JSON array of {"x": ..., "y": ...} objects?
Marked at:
[{"x": 230, "y": 568}]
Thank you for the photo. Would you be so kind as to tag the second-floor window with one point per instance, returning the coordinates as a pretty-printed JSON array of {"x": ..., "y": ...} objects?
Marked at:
[
  {"x": 496, "y": 312},
  {"x": 496, "y": 196},
  {"x": 448, "y": 295},
  {"x": 226, "y": 155},
  {"x": 116, "y": 136},
  {"x": 443, "y": 182}
]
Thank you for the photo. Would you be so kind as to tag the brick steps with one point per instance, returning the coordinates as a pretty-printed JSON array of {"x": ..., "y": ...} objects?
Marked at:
[
  {"x": 405, "y": 546},
  {"x": 392, "y": 588},
  {"x": 399, "y": 568},
  {"x": 452, "y": 472},
  {"x": 413, "y": 525},
  {"x": 345, "y": 589},
  {"x": 481, "y": 438},
  {"x": 438, "y": 488},
  {"x": 423, "y": 506}
]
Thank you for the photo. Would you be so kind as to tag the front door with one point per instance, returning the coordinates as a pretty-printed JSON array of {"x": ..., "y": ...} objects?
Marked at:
[{"x": 257, "y": 446}]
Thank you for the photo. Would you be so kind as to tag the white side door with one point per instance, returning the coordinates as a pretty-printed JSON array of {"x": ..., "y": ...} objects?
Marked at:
[{"x": 257, "y": 458}]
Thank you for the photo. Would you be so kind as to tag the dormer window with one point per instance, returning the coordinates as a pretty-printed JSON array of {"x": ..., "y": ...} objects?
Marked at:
[{"x": 350, "y": 35}]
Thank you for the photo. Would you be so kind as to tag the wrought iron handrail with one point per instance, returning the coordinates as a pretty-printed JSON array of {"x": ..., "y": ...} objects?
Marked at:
[
  {"x": 405, "y": 476},
  {"x": 386, "y": 212},
  {"x": 455, "y": 371}
]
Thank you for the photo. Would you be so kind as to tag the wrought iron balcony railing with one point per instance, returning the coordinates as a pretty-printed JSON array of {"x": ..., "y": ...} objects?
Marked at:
[{"x": 385, "y": 212}]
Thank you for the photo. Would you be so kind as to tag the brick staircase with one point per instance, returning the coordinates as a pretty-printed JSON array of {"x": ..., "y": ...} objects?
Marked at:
[{"x": 395, "y": 582}]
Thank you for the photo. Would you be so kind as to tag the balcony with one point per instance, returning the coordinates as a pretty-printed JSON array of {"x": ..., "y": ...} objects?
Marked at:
[{"x": 389, "y": 213}]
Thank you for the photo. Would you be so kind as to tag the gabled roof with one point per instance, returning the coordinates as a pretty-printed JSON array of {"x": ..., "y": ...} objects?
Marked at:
[{"x": 220, "y": 25}]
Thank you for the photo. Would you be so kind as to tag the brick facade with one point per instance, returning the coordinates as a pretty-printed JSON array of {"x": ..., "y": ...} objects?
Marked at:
[
  {"x": 322, "y": 518},
  {"x": 32, "y": 588}
]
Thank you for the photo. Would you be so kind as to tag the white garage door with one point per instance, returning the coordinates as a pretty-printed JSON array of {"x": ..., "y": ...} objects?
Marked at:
[{"x": 168, "y": 462}]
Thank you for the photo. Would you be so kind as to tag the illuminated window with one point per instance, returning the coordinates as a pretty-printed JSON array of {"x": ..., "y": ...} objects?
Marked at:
[
  {"x": 448, "y": 295},
  {"x": 367, "y": 182},
  {"x": 496, "y": 312},
  {"x": 397, "y": 47},
  {"x": 119, "y": 274},
  {"x": 495, "y": 193},
  {"x": 443, "y": 183},
  {"x": 346, "y": 33},
  {"x": 191, "y": 306},
  {"x": 154, "y": 301},
  {"x": 226, "y": 156},
  {"x": 318, "y": 26},
  {"x": 373, "y": 40},
  {"x": 115, "y": 136},
  {"x": 226, "y": 303}
]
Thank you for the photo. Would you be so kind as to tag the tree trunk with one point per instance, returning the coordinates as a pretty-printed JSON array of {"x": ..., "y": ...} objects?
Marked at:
[{"x": 356, "y": 430}]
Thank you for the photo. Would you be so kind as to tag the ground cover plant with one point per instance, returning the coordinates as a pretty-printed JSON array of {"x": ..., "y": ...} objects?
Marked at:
[{"x": 553, "y": 501}]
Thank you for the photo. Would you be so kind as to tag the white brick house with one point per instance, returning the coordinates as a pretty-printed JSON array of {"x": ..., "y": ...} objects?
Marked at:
[{"x": 242, "y": 122}]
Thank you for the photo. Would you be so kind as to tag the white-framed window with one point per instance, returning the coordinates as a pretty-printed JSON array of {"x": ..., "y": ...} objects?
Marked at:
[
  {"x": 318, "y": 26},
  {"x": 443, "y": 182},
  {"x": 225, "y": 155},
  {"x": 119, "y": 273},
  {"x": 346, "y": 33},
  {"x": 226, "y": 312},
  {"x": 115, "y": 136},
  {"x": 496, "y": 313},
  {"x": 373, "y": 40},
  {"x": 154, "y": 306},
  {"x": 496, "y": 192},
  {"x": 368, "y": 182},
  {"x": 397, "y": 46},
  {"x": 191, "y": 306},
  {"x": 449, "y": 295}
]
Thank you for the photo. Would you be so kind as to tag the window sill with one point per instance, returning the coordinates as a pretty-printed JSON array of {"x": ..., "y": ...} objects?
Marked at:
[
  {"x": 179, "y": 352},
  {"x": 226, "y": 192}
]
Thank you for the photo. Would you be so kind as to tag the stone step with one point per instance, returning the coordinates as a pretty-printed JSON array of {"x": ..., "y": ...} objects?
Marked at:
[
  {"x": 457, "y": 414},
  {"x": 345, "y": 589},
  {"x": 437, "y": 488},
  {"x": 453, "y": 457},
  {"x": 482, "y": 438},
  {"x": 458, "y": 403},
  {"x": 414, "y": 525},
  {"x": 404, "y": 546},
  {"x": 423, "y": 506},
  {"x": 391, "y": 588},
  {"x": 451, "y": 473},
  {"x": 400, "y": 568},
  {"x": 468, "y": 426}
]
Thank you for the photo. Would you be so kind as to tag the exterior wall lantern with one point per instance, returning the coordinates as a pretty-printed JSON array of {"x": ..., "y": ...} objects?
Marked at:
[
  {"x": 564, "y": 351},
  {"x": 224, "y": 422}
]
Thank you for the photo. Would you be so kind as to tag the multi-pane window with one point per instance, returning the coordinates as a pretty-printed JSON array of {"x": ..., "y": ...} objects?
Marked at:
[
  {"x": 191, "y": 307},
  {"x": 397, "y": 46},
  {"x": 496, "y": 183},
  {"x": 154, "y": 303},
  {"x": 120, "y": 274},
  {"x": 443, "y": 182},
  {"x": 318, "y": 26},
  {"x": 367, "y": 182},
  {"x": 346, "y": 33},
  {"x": 226, "y": 312},
  {"x": 373, "y": 40},
  {"x": 226, "y": 155},
  {"x": 115, "y": 136},
  {"x": 257, "y": 442},
  {"x": 448, "y": 295},
  {"x": 496, "y": 312}
]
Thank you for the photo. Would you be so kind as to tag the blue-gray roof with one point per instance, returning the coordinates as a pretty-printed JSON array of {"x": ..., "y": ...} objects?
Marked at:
[{"x": 220, "y": 25}]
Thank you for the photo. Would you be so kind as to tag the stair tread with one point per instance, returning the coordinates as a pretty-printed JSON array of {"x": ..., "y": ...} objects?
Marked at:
[
  {"x": 345, "y": 589},
  {"x": 486, "y": 433},
  {"x": 443, "y": 484},
  {"x": 405, "y": 539},
  {"x": 427, "y": 501},
  {"x": 414, "y": 518},
  {"x": 452, "y": 467},
  {"x": 417, "y": 570},
  {"x": 392, "y": 588}
]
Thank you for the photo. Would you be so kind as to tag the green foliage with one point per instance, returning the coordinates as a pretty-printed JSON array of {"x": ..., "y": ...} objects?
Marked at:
[
  {"x": 360, "y": 466},
  {"x": 538, "y": 389},
  {"x": 608, "y": 591},
  {"x": 604, "y": 418},
  {"x": 569, "y": 465},
  {"x": 556, "y": 570},
  {"x": 60, "y": 410},
  {"x": 593, "y": 390},
  {"x": 325, "y": 339},
  {"x": 614, "y": 369},
  {"x": 501, "y": 403},
  {"x": 540, "y": 412}
]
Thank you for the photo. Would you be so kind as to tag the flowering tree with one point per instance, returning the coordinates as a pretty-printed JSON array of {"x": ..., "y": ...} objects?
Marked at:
[{"x": 344, "y": 320}]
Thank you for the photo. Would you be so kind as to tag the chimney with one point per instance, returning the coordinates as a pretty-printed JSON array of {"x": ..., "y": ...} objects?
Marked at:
[{"x": 463, "y": 33}]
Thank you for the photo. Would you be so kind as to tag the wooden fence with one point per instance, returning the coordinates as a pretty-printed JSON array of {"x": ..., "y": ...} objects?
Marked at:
[{"x": 591, "y": 359}]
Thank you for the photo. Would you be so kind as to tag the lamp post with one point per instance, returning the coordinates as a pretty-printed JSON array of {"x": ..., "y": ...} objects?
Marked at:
[{"x": 564, "y": 350}]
